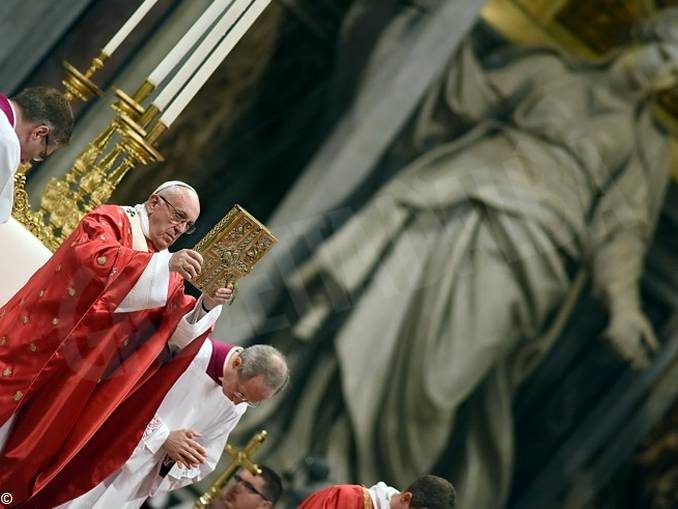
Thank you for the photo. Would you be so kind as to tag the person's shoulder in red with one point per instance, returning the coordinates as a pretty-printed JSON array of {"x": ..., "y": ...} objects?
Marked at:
[{"x": 340, "y": 496}]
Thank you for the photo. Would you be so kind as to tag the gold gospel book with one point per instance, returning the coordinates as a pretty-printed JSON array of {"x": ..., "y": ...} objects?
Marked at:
[{"x": 231, "y": 249}]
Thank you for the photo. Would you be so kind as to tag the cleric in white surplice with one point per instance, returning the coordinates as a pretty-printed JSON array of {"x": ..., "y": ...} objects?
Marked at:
[{"x": 185, "y": 439}]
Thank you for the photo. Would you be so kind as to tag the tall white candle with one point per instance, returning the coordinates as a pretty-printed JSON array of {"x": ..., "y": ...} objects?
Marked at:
[
  {"x": 128, "y": 26},
  {"x": 200, "y": 54},
  {"x": 188, "y": 41},
  {"x": 210, "y": 65}
]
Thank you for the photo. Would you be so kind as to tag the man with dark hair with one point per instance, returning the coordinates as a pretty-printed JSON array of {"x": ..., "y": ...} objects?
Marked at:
[
  {"x": 33, "y": 125},
  {"x": 183, "y": 442},
  {"x": 248, "y": 491},
  {"x": 431, "y": 492},
  {"x": 427, "y": 492}
]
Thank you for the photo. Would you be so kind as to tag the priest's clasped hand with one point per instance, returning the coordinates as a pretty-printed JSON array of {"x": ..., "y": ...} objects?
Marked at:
[
  {"x": 186, "y": 262},
  {"x": 181, "y": 447}
]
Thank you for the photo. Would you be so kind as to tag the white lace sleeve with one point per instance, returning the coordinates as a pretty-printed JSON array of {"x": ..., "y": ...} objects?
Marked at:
[{"x": 155, "y": 435}]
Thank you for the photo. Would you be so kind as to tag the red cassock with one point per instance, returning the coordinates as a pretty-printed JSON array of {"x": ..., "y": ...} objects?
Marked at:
[
  {"x": 342, "y": 496},
  {"x": 82, "y": 380}
]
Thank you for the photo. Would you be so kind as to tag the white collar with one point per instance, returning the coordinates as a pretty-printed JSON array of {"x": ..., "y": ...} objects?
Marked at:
[
  {"x": 143, "y": 218},
  {"x": 381, "y": 495}
]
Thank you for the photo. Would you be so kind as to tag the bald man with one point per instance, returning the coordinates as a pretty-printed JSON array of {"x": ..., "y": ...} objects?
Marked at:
[{"x": 82, "y": 344}]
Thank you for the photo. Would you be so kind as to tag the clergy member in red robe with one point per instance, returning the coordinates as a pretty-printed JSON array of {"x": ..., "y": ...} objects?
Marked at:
[
  {"x": 33, "y": 124},
  {"x": 427, "y": 492},
  {"x": 82, "y": 338}
]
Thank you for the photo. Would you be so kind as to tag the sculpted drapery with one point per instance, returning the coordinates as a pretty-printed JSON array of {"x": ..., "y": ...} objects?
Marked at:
[{"x": 427, "y": 307}]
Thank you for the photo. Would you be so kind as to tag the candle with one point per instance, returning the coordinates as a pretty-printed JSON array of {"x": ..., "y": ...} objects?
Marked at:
[
  {"x": 128, "y": 27},
  {"x": 188, "y": 41},
  {"x": 200, "y": 54},
  {"x": 210, "y": 65}
]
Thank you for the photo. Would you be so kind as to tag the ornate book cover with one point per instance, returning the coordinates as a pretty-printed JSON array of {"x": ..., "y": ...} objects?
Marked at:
[{"x": 231, "y": 249}]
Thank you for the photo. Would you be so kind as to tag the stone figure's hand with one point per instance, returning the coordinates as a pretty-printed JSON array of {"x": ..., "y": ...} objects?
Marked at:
[
  {"x": 631, "y": 335},
  {"x": 222, "y": 296},
  {"x": 187, "y": 263},
  {"x": 181, "y": 447}
]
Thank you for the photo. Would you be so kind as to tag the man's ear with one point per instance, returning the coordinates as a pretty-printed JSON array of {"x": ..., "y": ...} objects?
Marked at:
[
  {"x": 40, "y": 131},
  {"x": 237, "y": 362},
  {"x": 406, "y": 498}
]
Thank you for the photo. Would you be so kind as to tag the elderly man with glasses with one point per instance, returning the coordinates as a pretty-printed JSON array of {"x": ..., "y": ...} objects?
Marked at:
[
  {"x": 33, "y": 124},
  {"x": 183, "y": 442},
  {"x": 93, "y": 342}
]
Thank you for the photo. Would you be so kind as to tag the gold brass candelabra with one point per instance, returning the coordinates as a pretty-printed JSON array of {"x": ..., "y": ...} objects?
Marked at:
[
  {"x": 99, "y": 168},
  {"x": 77, "y": 85}
]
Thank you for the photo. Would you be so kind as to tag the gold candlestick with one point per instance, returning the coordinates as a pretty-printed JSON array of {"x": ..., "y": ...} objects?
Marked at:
[
  {"x": 57, "y": 193},
  {"x": 80, "y": 85},
  {"x": 132, "y": 106},
  {"x": 99, "y": 168}
]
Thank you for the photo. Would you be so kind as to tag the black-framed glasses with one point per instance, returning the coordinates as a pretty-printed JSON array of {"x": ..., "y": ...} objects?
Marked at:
[
  {"x": 179, "y": 216},
  {"x": 249, "y": 487},
  {"x": 43, "y": 155}
]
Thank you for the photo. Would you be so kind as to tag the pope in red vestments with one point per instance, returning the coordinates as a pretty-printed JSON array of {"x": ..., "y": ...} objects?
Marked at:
[{"x": 80, "y": 346}]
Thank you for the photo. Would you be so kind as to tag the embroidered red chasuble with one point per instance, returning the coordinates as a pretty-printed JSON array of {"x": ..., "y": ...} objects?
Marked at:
[{"x": 68, "y": 362}]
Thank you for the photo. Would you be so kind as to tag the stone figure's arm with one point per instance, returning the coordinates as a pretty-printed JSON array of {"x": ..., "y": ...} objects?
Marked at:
[{"x": 621, "y": 231}]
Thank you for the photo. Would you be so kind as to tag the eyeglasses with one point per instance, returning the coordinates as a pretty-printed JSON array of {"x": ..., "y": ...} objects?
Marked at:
[
  {"x": 242, "y": 399},
  {"x": 43, "y": 155},
  {"x": 240, "y": 394},
  {"x": 179, "y": 216},
  {"x": 249, "y": 486}
]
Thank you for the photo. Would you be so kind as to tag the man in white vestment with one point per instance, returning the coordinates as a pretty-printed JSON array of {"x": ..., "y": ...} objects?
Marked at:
[
  {"x": 33, "y": 125},
  {"x": 185, "y": 439}
]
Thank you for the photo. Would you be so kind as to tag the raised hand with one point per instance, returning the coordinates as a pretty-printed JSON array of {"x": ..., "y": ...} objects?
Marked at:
[
  {"x": 222, "y": 296},
  {"x": 187, "y": 263}
]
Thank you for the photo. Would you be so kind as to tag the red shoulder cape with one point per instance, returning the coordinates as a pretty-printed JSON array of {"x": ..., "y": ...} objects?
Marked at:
[{"x": 341, "y": 496}]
